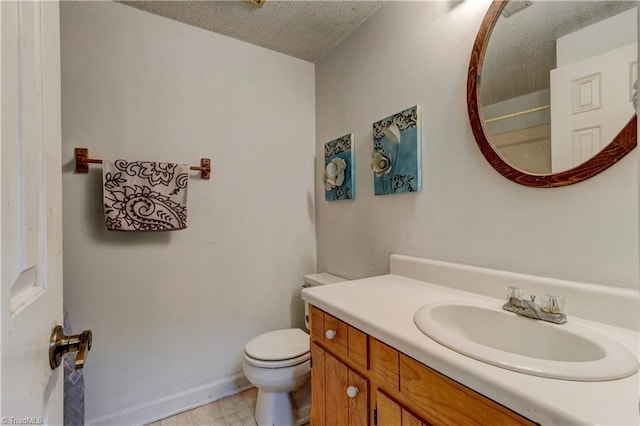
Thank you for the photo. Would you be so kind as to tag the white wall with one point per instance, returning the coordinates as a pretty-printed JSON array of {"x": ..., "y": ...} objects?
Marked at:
[
  {"x": 418, "y": 53},
  {"x": 171, "y": 312},
  {"x": 603, "y": 36}
]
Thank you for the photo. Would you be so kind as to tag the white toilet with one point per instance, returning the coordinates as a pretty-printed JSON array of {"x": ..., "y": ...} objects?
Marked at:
[{"x": 278, "y": 364}]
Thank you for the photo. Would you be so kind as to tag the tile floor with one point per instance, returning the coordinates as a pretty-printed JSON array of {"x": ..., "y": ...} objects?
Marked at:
[{"x": 236, "y": 410}]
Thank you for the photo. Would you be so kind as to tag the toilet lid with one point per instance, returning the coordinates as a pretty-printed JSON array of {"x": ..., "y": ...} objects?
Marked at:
[
  {"x": 278, "y": 345},
  {"x": 291, "y": 362}
]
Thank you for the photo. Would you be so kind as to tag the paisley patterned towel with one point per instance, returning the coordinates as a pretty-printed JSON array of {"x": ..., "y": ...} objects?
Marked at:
[{"x": 145, "y": 195}]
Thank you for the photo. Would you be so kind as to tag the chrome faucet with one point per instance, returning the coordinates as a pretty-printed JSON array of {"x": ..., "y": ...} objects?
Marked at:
[{"x": 550, "y": 311}]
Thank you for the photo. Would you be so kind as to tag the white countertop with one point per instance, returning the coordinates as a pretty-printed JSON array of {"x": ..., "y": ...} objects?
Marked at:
[{"x": 383, "y": 307}]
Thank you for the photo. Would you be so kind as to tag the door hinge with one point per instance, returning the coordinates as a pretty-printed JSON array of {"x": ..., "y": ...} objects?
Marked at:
[
  {"x": 375, "y": 415},
  {"x": 311, "y": 362}
]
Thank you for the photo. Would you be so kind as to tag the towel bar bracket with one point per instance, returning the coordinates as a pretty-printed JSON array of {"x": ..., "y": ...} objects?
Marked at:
[
  {"x": 82, "y": 165},
  {"x": 83, "y": 160},
  {"x": 205, "y": 167}
]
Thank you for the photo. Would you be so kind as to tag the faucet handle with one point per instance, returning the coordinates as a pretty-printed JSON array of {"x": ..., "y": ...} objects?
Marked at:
[
  {"x": 553, "y": 304},
  {"x": 511, "y": 291}
]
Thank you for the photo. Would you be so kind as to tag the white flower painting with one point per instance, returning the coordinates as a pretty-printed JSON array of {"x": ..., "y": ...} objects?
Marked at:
[
  {"x": 396, "y": 161},
  {"x": 337, "y": 176}
]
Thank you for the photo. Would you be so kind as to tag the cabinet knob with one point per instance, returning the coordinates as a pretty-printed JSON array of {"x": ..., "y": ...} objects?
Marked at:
[
  {"x": 352, "y": 391},
  {"x": 331, "y": 334}
]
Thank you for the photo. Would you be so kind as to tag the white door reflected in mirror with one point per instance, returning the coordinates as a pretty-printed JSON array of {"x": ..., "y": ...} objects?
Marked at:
[{"x": 557, "y": 82}]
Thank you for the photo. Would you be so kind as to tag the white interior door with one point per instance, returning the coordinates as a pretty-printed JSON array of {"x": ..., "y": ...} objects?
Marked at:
[
  {"x": 30, "y": 216},
  {"x": 590, "y": 104}
]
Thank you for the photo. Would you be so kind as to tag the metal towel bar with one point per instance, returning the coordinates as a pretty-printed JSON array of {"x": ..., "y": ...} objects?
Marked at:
[{"x": 83, "y": 160}]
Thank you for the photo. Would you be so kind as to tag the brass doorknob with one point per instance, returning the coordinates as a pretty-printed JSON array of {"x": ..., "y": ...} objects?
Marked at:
[{"x": 60, "y": 344}]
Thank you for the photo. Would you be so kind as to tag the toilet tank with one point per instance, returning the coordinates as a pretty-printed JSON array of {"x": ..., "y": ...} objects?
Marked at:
[{"x": 313, "y": 280}]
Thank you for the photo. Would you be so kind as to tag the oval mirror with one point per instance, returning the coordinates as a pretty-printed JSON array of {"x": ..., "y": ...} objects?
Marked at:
[{"x": 552, "y": 86}]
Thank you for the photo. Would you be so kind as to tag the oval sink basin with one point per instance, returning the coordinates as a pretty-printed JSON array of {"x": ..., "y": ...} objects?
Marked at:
[{"x": 530, "y": 346}]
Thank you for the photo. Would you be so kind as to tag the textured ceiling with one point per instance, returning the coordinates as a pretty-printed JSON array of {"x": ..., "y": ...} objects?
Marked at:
[
  {"x": 522, "y": 48},
  {"x": 309, "y": 29},
  {"x": 303, "y": 29}
]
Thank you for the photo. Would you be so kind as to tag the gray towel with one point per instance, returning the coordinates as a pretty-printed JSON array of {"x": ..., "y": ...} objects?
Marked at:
[
  {"x": 145, "y": 195},
  {"x": 73, "y": 384}
]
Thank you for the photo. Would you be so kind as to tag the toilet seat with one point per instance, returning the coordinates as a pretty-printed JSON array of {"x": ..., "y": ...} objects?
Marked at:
[
  {"x": 283, "y": 363},
  {"x": 278, "y": 349}
]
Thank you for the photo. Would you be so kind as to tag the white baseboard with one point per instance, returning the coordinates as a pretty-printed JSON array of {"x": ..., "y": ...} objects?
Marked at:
[{"x": 168, "y": 406}]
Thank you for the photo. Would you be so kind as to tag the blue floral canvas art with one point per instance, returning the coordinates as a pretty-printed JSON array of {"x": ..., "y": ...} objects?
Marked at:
[
  {"x": 338, "y": 169},
  {"x": 396, "y": 159}
]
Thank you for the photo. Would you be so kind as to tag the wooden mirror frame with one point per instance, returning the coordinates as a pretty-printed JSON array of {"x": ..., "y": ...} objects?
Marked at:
[{"x": 620, "y": 146}]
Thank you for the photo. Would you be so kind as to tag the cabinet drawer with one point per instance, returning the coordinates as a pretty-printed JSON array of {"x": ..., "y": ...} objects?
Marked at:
[
  {"x": 442, "y": 401},
  {"x": 384, "y": 363},
  {"x": 339, "y": 337},
  {"x": 316, "y": 320},
  {"x": 358, "y": 347},
  {"x": 336, "y": 335}
]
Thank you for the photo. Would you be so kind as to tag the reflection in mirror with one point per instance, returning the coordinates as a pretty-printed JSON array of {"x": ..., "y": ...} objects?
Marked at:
[{"x": 557, "y": 83}]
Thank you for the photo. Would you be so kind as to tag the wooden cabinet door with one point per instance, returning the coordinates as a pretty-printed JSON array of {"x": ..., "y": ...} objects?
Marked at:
[
  {"x": 318, "y": 387},
  {"x": 331, "y": 405},
  {"x": 336, "y": 382},
  {"x": 408, "y": 419},
  {"x": 391, "y": 413},
  {"x": 358, "y": 404}
]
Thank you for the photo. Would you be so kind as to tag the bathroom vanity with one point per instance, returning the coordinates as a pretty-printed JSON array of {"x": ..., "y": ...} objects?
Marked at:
[
  {"x": 358, "y": 380},
  {"x": 372, "y": 365}
]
